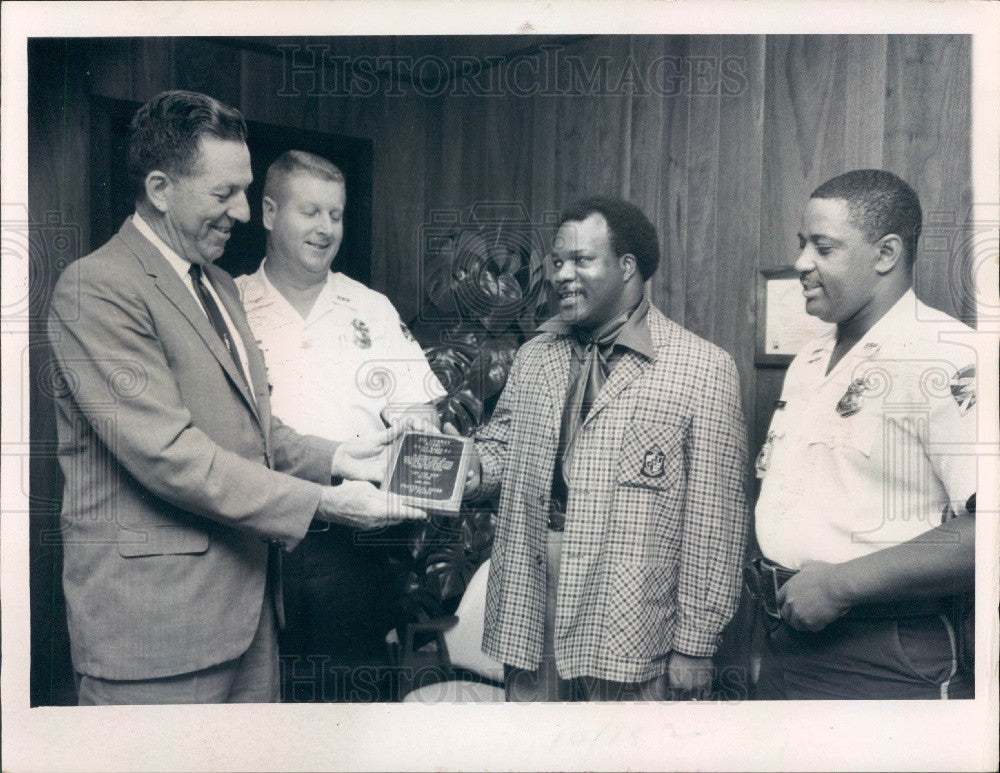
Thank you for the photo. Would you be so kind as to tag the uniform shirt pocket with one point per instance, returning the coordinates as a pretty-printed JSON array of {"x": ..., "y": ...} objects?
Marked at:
[
  {"x": 859, "y": 433},
  {"x": 652, "y": 455}
]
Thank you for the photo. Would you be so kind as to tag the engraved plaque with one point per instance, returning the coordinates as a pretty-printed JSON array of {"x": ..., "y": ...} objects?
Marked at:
[{"x": 428, "y": 470}]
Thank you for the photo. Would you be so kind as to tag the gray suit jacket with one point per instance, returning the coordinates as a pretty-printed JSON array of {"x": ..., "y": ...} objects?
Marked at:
[{"x": 174, "y": 490}]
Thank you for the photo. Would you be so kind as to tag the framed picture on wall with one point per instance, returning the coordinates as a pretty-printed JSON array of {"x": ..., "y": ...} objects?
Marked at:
[{"x": 783, "y": 326}]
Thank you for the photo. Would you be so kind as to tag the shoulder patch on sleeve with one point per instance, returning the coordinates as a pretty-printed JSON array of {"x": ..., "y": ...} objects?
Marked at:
[{"x": 963, "y": 388}]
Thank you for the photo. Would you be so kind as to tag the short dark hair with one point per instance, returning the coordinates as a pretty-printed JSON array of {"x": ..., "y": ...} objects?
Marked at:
[
  {"x": 298, "y": 161},
  {"x": 165, "y": 132},
  {"x": 631, "y": 231},
  {"x": 879, "y": 203}
]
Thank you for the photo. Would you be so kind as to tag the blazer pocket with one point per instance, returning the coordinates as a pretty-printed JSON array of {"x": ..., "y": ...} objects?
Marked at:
[
  {"x": 640, "y": 614},
  {"x": 652, "y": 456},
  {"x": 161, "y": 541}
]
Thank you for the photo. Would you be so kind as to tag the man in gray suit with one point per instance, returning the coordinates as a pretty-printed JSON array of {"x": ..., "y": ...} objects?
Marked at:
[{"x": 177, "y": 501}]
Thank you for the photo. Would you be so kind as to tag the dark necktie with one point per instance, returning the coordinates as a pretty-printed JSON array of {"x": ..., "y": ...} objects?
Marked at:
[
  {"x": 594, "y": 350},
  {"x": 215, "y": 315}
]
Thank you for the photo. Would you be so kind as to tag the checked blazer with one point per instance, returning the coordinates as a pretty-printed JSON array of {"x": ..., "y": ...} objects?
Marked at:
[{"x": 656, "y": 517}]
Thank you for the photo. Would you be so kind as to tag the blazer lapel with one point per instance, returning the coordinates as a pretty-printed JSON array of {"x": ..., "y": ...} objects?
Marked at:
[
  {"x": 555, "y": 369},
  {"x": 632, "y": 364},
  {"x": 629, "y": 367},
  {"x": 172, "y": 286}
]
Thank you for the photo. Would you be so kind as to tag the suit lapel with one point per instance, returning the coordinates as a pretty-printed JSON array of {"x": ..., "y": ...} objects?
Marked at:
[
  {"x": 255, "y": 360},
  {"x": 172, "y": 286}
]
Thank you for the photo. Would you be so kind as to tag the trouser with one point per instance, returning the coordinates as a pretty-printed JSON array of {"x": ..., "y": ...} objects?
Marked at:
[
  {"x": 545, "y": 684},
  {"x": 250, "y": 678},
  {"x": 904, "y": 658},
  {"x": 339, "y": 596}
]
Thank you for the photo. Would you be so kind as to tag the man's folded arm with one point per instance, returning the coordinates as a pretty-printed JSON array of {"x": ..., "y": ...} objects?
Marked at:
[{"x": 939, "y": 562}]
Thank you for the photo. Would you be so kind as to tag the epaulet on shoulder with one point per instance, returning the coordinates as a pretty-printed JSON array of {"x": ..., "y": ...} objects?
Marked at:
[{"x": 362, "y": 292}]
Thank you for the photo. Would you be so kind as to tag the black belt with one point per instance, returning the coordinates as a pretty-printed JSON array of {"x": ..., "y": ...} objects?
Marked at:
[
  {"x": 764, "y": 578},
  {"x": 556, "y": 516}
]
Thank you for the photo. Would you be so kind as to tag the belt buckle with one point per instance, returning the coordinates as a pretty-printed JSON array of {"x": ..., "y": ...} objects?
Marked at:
[
  {"x": 775, "y": 613},
  {"x": 555, "y": 517},
  {"x": 768, "y": 596}
]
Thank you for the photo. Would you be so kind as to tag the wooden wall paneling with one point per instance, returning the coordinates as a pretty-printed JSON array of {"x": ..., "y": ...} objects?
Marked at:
[
  {"x": 509, "y": 149},
  {"x": 210, "y": 68},
  {"x": 580, "y": 147},
  {"x": 343, "y": 108},
  {"x": 264, "y": 95},
  {"x": 130, "y": 68},
  {"x": 58, "y": 212},
  {"x": 823, "y": 116},
  {"x": 658, "y": 165},
  {"x": 457, "y": 139},
  {"x": 864, "y": 101},
  {"x": 398, "y": 206},
  {"x": 735, "y": 260},
  {"x": 592, "y": 125},
  {"x": 927, "y": 143},
  {"x": 702, "y": 248},
  {"x": 740, "y": 147},
  {"x": 545, "y": 152}
]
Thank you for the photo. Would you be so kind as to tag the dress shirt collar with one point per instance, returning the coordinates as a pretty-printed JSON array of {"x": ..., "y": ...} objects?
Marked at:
[
  {"x": 881, "y": 333},
  {"x": 331, "y": 294},
  {"x": 634, "y": 334},
  {"x": 179, "y": 264}
]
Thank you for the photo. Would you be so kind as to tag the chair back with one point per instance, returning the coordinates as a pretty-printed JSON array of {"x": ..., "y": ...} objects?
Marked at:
[{"x": 465, "y": 639}]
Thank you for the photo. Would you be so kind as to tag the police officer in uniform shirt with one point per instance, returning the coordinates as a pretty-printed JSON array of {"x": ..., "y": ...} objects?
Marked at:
[
  {"x": 865, "y": 517},
  {"x": 341, "y": 363}
]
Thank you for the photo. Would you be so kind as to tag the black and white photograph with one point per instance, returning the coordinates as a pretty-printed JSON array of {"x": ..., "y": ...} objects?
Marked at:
[{"x": 501, "y": 386}]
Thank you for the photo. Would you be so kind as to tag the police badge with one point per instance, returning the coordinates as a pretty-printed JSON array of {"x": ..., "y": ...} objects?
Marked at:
[
  {"x": 652, "y": 463},
  {"x": 850, "y": 403},
  {"x": 362, "y": 338},
  {"x": 963, "y": 389},
  {"x": 406, "y": 332}
]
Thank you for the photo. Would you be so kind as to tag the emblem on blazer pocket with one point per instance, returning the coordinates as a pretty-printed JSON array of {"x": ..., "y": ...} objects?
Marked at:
[{"x": 653, "y": 463}]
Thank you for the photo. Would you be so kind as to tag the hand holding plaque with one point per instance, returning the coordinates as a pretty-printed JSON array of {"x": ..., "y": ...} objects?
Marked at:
[{"x": 428, "y": 470}]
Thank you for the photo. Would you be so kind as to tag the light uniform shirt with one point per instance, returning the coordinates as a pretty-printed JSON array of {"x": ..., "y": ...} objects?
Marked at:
[
  {"x": 182, "y": 266},
  {"x": 336, "y": 371},
  {"x": 878, "y": 451}
]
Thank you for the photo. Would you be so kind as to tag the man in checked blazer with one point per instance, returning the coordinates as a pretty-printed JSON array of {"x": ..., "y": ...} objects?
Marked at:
[
  {"x": 176, "y": 501},
  {"x": 618, "y": 448}
]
